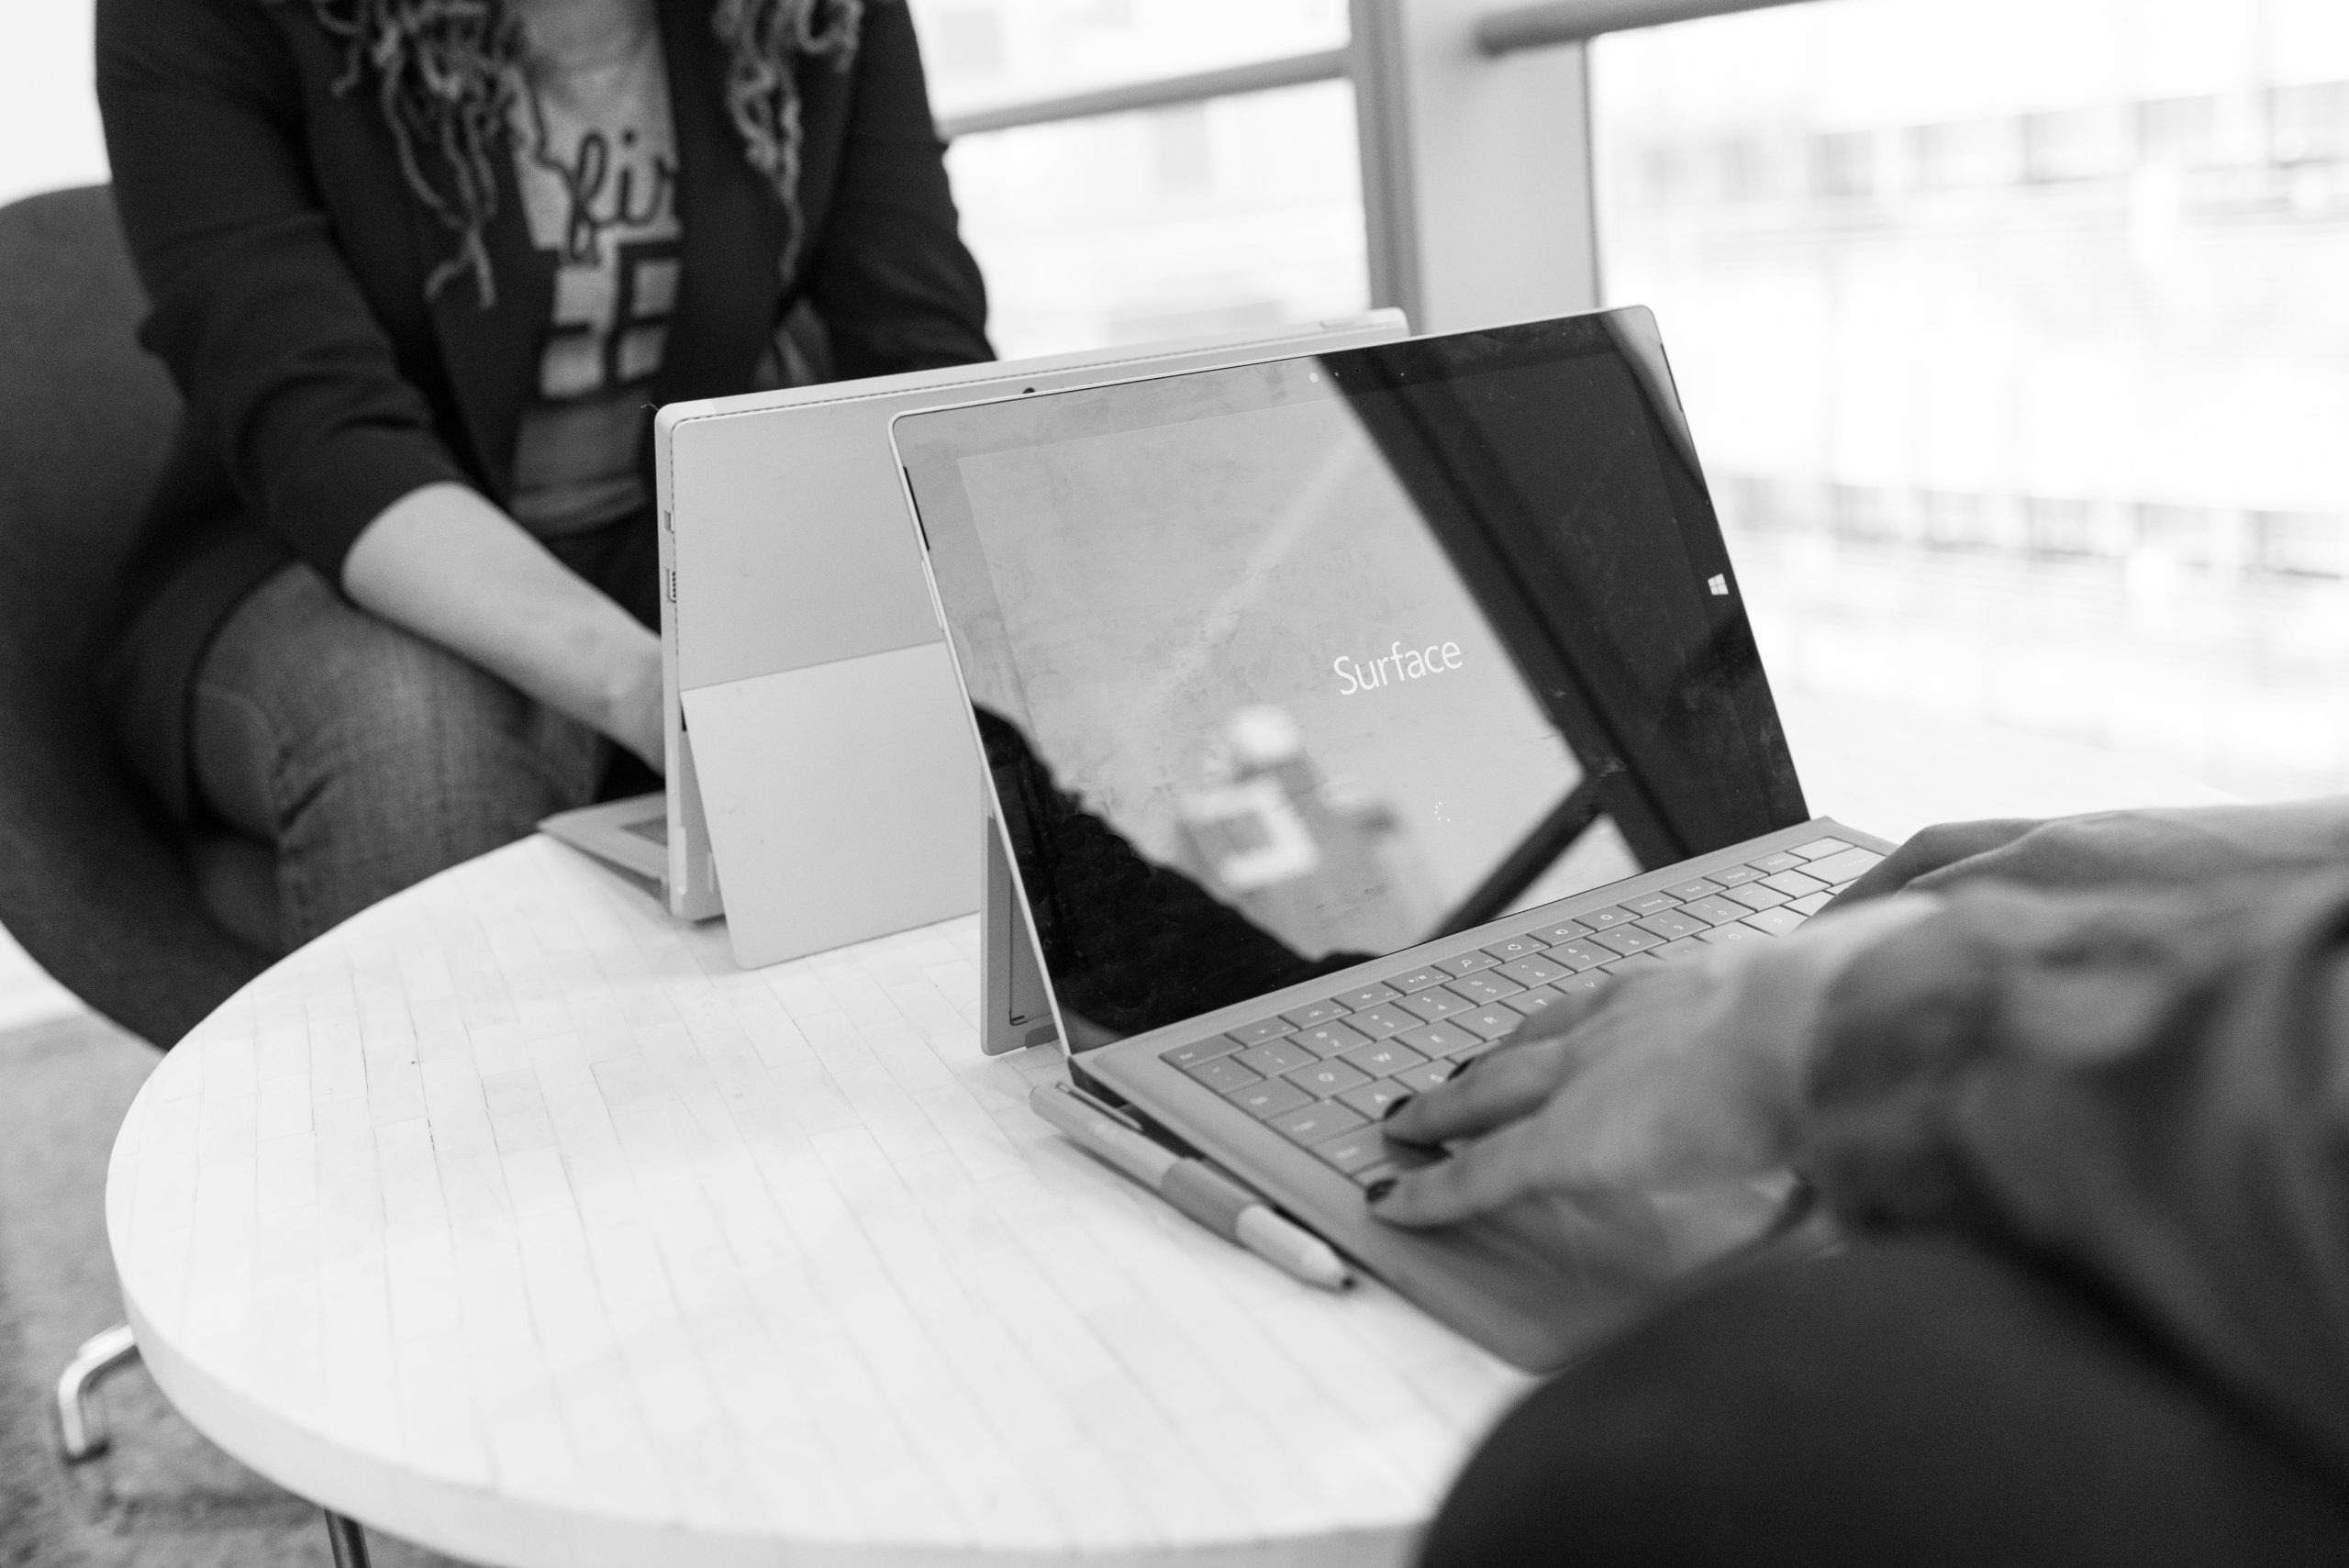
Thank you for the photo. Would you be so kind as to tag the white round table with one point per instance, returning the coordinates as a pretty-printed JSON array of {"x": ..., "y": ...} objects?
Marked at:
[{"x": 512, "y": 1218}]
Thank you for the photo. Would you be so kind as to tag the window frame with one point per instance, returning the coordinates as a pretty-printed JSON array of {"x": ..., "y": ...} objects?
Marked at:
[{"x": 1461, "y": 227}]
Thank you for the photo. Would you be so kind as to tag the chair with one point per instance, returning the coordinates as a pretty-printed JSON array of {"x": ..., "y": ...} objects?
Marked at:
[{"x": 96, "y": 885}]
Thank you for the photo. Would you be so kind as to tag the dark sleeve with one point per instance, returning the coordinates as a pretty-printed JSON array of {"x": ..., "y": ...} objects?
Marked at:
[
  {"x": 2148, "y": 1090},
  {"x": 287, "y": 373},
  {"x": 893, "y": 282}
]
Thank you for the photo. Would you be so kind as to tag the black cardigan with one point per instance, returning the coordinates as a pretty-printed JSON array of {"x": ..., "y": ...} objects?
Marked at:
[{"x": 285, "y": 259}]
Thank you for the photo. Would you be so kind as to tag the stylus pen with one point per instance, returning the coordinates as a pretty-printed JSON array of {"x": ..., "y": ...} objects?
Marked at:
[{"x": 1195, "y": 1187}]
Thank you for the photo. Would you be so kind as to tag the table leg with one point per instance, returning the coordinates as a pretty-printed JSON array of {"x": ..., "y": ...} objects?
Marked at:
[
  {"x": 79, "y": 1423},
  {"x": 349, "y": 1540}
]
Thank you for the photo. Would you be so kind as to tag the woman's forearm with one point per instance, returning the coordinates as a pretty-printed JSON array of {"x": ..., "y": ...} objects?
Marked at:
[{"x": 446, "y": 564}]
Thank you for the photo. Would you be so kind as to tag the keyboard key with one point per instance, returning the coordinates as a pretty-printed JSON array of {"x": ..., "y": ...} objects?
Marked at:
[
  {"x": 1672, "y": 925},
  {"x": 1359, "y": 1149},
  {"x": 1313, "y": 1013},
  {"x": 1277, "y": 1058},
  {"x": 1532, "y": 1002},
  {"x": 1753, "y": 895},
  {"x": 1627, "y": 940},
  {"x": 1777, "y": 922},
  {"x": 1849, "y": 867},
  {"x": 1439, "y": 1040},
  {"x": 1413, "y": 1080},
  {"x": 1388, "y": 1056},
  {"x": 1818, "y": 848},
  {"x": 1224, "y": 1076},
  {"x": 1740, "y": 932},
  {"x": 1716, "y": 911},
  {"x": 1650, "y": 903},
  {"x": 1327, "y": 1040},
  {"x": 1325, "y": 1080},
  {"x": 1258, "y": 1033},
  {"x": 1581, "y": 954},
  {"x": 1372, "y": 1099},
  {"x": 1780, "y": 862},
  {"x": 1794, "y": 883},
  {"x": 1382, "y": 1020},
  {"x": 1578, "y": 984},
  {"x": 1368, "y": 995},
  {"x": 1433, "y": 1005},
  {"x": 1601, "y": 919},
  {"x": 1323, "y": 1118},
  {"x": 1491, "y": 1022},
  {"x": 1637, "y": 961},
  {"x": 1697, "y": 889},
  {"x": 1812, "y": 903},
  {"x": 1199, "y": 1050},
  {"x": 1564, "y": 931},
  {"x": 1468, "y": 962},
  {"x": 1489, "y": 987},
  {"x": 1686, "y": 947},
  {"x": 1535, "y": 971},
  {"x": 1515, "y": 947},
  {"x": 1270, "y": 1097},
  {"x": 1735, "y": 876},
  {"x": 1418, "y": 980}
]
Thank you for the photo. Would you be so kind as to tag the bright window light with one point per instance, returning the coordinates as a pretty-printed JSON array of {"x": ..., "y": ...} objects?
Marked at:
[{"x": 2014, "y": 335}]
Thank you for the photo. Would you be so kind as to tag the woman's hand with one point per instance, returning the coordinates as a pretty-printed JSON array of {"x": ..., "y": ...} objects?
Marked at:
[
  {"x": 633, "y": 711},
  {"x": 447, "y": 565},
  {"x": 1681, "y": 1081}
]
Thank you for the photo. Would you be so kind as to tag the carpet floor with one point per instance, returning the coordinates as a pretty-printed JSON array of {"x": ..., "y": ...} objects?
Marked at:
[{"x": 161, "y": 1496}]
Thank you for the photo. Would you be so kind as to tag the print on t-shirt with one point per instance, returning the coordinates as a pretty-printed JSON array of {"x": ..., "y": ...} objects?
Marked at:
[{"x": 599, "y": 187}]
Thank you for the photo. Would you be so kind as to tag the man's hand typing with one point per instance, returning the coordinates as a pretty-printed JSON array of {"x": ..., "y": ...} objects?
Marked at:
[{"x": 1677, "y": 1081}]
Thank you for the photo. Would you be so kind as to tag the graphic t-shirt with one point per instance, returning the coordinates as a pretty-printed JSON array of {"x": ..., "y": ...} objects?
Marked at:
[{"x": 599, "y": 185}]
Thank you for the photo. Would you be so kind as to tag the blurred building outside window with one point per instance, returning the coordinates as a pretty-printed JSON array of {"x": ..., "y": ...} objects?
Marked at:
[
  {"x": 2016, "y": 336},
  {"x": 1229, "y": 214},
  {"x": 986, "y": 54}
]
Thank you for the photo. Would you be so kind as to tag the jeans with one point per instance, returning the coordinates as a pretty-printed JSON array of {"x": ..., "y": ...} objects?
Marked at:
[
  {"x": 366, "y": 757},
  {"x": 1923, "y": 1402}
]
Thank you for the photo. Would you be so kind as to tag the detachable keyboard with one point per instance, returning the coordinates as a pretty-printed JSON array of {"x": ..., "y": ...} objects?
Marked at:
[{"x": 1323, "y": 1074}]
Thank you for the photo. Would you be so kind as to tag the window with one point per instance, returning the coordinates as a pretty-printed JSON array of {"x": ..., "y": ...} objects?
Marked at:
[
  {"x": 1224, "y": 213},
  {"x": 49, "y": 115},
  {"x": 986, "y": 54},
  {"x": 1236, "y": 213},
  {"x": 2023, "y": 406}
]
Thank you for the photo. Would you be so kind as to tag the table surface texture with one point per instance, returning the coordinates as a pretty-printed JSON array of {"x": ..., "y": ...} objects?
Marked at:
[{"x": 512, "y": 1217}]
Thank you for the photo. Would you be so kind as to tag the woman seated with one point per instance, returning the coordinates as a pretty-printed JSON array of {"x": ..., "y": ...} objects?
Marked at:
[{"x": 422, "y": 270}]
